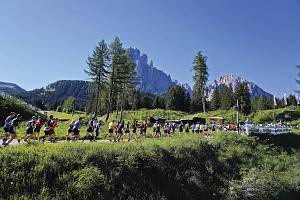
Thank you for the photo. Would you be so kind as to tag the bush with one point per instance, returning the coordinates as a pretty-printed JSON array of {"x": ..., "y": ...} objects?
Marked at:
[
  {"x": 120, "y": 171},
  {"x": 229, "y": 166},
  {"x": 258, "y": 185}
]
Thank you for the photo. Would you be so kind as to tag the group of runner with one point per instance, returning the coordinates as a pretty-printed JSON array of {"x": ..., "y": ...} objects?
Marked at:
[
  {"x": 33, "y": 128},
  {"x": 10, "y": 128},
  {"x": 116, "y": 131},
  {"x": 169, "y": 128},
  {"x": 92, "y": 131}
]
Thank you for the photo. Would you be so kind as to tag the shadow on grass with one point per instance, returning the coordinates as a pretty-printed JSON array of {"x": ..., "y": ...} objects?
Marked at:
[{"x": 286, "y": 141}]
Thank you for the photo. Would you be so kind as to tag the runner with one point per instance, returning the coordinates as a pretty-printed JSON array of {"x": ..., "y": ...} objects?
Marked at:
[
  {"x": 49, "y": 129},
  {"x": 134, "y": 129},
  {"x": 69, "y": 134},
  {"x": 111, "y": 127},
  {"x": 197, "y": 128},
  {"x": 202, "y": 128},
  {"x": 206, "y": 129},
  {"x": 180, "y": 128},
  {"x": 97, "y": 128},
  {"x": 13, "y": 130},
  {"x": 144, "y": 128},
  {"x": 187, "y": 128},
  {"x": 90, "y": 131},
  {"x": 76, "y": 129},
  {"x": 141, "y": 129},
  {"x": 156, "y": 129},
  {"x": 7, "y": 126},
  {"x": 120, "y": 131},
  {"x": 53, "y": 134},
  {"x": 166, "y": 129},
  {"x": 30, "y": 129},
  {"x": 38, "y": 126},
  {"x": 193, "y": 128},
  {"x": 127, "y": 130},
  {"x": 213, "y": 127},
  {"x": 173, "y": 128}
]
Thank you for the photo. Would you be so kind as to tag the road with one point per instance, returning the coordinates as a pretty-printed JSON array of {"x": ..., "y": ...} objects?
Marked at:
[{"x": 15, "y": 142}]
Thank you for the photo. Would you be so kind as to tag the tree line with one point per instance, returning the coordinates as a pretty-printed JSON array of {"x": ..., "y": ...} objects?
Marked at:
[
  {"x": 223, "y": 97},
  {"x": 115, "y": 87}
]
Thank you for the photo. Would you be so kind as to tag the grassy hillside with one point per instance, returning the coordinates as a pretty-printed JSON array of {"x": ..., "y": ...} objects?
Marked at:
[
  {"x": 290, "y": 114},
  {"x": 230, "y": 166},
  {"x": 143, "y": 114},
  {"x": 229, "y": 115}
]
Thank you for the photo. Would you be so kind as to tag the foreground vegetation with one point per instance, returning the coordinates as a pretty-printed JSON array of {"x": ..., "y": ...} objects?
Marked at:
[{"x": 229, "y": 166}]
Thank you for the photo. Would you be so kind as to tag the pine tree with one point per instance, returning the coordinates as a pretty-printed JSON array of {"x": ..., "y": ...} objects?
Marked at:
[
  {"x": 159, "y": 102},
  {"x": 280, "y": 103},
  {"x": 91, "y": 103},
  {"x": 68, "y": 104},
  {"x": 129, "y": 80},
  {"x": 215, "y": 101},
  {"x": 117, "y": 61},
  {"x": 136, "y": 99},
  {"x": 292, "y": 100},
  {"x": 122, "y": 78},
  {"x": 97, "y": 69},
  {"x": 261, "y": 103},
  {"x": 187, "y": 102},
  {"x": 226, "y": 95},
  {"x": 243, "y": 95},
  {"x": 147, "y": 101},
  {"x": 177, "y": 98},
  {"x": 200, "y": 78}
]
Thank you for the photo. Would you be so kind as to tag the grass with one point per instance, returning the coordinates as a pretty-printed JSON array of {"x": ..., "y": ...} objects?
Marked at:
[
  {"x": 143, "y": 114},
  {"x": 229, "y": 166},
  {"x": 229, "y": 115},
  {"x": 290, "y": 114}
]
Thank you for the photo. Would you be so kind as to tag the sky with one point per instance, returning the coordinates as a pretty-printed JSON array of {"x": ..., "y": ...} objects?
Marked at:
[{"x": 45, "y": 41}]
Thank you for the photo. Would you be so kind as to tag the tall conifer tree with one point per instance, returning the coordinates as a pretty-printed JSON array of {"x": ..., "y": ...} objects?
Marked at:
[
  {"x": 97, "y": 69},
  {"x": 200, "y": 79}
]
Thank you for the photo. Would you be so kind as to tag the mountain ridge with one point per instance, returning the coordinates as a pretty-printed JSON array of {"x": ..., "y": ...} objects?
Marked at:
[
  {"x": 10, "y": 88},
  {"x": 235, "y": 80}
]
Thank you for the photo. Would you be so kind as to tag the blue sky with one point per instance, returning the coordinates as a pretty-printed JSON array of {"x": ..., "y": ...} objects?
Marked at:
[{"x": 44, "y": 41}]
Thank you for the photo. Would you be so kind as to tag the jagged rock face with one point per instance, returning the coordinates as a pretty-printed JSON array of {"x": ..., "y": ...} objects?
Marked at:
[
  {"x": 10, "y": 88},
  {"x": 234, "y": 80},
  {"x": 152, "y": 80}
]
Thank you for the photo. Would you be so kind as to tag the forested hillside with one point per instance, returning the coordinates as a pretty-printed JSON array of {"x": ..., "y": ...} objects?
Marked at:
[{"x": 56, "y": 93}]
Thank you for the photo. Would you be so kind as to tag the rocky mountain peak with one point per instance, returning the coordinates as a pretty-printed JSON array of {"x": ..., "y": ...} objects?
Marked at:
[
  {"x": 235, "y": 80},
  {"x": 152, "y": 80}
]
